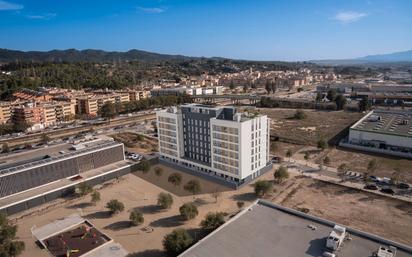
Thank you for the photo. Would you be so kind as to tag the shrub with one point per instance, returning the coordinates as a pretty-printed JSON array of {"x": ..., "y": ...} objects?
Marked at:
[
  {"x": 193, "y": 186},
  {"x": 165, "y": 200},
  {"x": 213, "y": 220},
  {"x": 158, "y": 171},
  {"x": 321, "y": 144},
  {"x": 240, "y": 204},
  {"x": 176, "y": 242},
  {"x": 83, "y": 189},
  {"x": 299, "y": 115},
  {"x": 115, "y": 206},
  {"x": 136, "y": 218},
  {"x": 95, "y": 197},
  {"x": 262, "y": 187},
  {"x": 175, "y": 179},
  {"x": 188, "y": 211},
  {"x": 281, "y": 174}
]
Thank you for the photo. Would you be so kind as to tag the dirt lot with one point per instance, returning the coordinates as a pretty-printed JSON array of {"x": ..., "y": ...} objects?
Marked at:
[
  {"x": 361, "y": 210},
  {"x": 381, "y": 215},
  {"x": 317, "y": 125},
  {"x": 136, "y": 142}
]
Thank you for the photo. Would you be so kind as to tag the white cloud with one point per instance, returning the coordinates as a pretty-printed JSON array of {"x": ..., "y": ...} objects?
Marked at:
[
  {"x": 9, "y": 6},
  {"x": 151, "y": 9},
  {"x": 349, "y": 16},
  {"x": 46, "y": 16}
]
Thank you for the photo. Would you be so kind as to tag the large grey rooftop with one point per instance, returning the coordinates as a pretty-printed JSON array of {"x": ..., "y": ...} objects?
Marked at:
[
  {"x": 266, "y": 229},
  {"x": 397, "y": 122},
  {"x": 31, "y": 158}
]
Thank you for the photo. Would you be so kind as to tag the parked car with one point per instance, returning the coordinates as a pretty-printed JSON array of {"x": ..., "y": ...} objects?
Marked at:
[
  {"x": 371, "y": 187},
  {"x": 277, "y": 159},
  {"x": 403, "y": 186},
  {"x": 374, "y": 178},
  {"x": 387, "y": 190}
]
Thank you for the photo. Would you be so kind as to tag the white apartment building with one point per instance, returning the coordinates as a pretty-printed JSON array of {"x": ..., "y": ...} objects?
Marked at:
[{"x": 217, "y": 141}]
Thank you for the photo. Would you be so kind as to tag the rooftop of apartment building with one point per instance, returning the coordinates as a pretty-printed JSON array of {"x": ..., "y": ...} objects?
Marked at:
[
  {"x": 267, "y": 229},
  {"x": 224, "y": 113},
  {"x": 393, "y": 122},
  {"x": 14, "y": 162}
]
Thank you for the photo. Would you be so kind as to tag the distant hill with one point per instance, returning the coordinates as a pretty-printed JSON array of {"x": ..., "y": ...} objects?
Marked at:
[
  {"x": 405, "y": 56},
  {"x": 89, "y": 55}
]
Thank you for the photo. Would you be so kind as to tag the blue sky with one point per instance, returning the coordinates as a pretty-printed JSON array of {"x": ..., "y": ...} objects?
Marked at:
[{"x": 258, "y": 30}]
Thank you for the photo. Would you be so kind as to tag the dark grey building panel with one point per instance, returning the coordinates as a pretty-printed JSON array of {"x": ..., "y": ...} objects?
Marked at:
[{"x": 33, "y": 177}]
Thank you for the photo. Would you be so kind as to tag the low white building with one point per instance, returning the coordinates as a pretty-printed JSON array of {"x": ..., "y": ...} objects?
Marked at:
[
  {"x": 216, "y": 141},
  {"x": 383, "y": 131}
]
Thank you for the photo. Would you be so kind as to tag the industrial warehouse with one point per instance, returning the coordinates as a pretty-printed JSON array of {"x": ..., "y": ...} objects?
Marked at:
[
  {"x": 33, "y": 177},
  {"x": 383, "y": 131},
  {"x": 267, "y": 229}
]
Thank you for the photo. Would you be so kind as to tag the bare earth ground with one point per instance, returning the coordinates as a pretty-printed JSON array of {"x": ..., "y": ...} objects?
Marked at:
[
  {"x": 136, "y": 142},
  {"x": 317, "y": 125},
  {"x": 361, "y": 210},
  {"x": 381, "y": 215}
]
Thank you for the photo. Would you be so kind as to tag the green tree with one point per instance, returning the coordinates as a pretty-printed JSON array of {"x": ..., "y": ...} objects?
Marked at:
[
  {"x": 213, "y": 220},
  {"x": 9, "y": 247},
  {"x": 262, "y": 187},
  {"x": 340, "y": 101},
  {"x": 165, "y": 200},
  {"x": 331, "y": 95},
  {"x": 177, "y": 242},
  {"x": 188, "y": 211},
  {"x": 5, "y": 148},
  {"x": 158, "y": 171},
  {"x": 144, "y": 166},
  {"x": 364, "y": 104},
  {"x": 268, "y": 86},
  {"x": 83, "y": 189},
  {"x": 281, "y": 174},
  {"x": 45, "y": 139},
  {"x": 115, "y": 206},
  {"x": 299, "y": 115},
  {"x": 193, "y": 186},
  {"x": 372, "y": 166},
  {"x": 95, "y": 197},
  {"x": 108, "y": 111},
  {"x": 321, "y": 144},
  {"x": 289, "y": 154},
  {"x": 175, "y": 179},
  {"x": 231, "y": 85},
  {"x": 136, "y": 218}
]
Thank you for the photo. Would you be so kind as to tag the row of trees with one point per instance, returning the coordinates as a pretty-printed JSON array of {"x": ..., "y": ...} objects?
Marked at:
[{"x": 263, "y": 187}]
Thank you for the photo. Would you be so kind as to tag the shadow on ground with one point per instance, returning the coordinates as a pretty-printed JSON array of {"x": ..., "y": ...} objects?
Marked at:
[
  {"x": 244, "y": 197},
  {"x": 153, "y": 208},
  {"x": 79, "y": 205},
  {"x": 98, "y": 215},
  {"x": 172, "y": 221},
  {"x": 119, "y": 225},
  {"x": 148, "y": 253}
]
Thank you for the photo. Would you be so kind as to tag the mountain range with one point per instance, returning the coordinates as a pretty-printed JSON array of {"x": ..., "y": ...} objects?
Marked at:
[
  {"x": 91, "y": 55},
  {"x": 397, "y": 57}
]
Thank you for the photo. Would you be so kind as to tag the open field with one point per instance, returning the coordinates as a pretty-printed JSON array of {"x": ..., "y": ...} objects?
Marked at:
[
  {"x": 361, "y": 210},
  {"x": 317, "y": 125},
  {"x": 381, "y": 215},
  {"x": 136, "y": 142}
]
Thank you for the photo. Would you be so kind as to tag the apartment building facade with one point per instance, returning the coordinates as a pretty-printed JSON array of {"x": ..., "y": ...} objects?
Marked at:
[
  {"x": 91, "y": 104},
  {"x": 217, "y": 141}
]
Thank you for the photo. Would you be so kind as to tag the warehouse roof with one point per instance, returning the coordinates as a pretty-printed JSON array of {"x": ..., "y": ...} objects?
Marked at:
[
  {"x": 394, "y": 122},
  {"x": 266, "y": 229}
]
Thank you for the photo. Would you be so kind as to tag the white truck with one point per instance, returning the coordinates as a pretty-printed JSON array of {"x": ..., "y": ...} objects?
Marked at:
[{"x": 335, "y": 238}]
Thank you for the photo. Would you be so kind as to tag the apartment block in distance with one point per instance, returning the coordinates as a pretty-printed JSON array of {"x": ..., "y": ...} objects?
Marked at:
[{"x": 215, "y": 141}]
